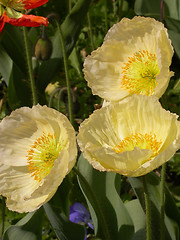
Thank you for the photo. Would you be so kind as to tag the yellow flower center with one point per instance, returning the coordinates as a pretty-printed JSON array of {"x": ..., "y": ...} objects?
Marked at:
[
  {"x": 41, "y": 156},
  {"x": 142, "y": 141},
  {"x": 139, "y": 73}
]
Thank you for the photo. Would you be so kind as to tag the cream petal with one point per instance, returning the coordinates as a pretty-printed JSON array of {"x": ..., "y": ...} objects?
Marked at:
[
  {"x": 107, "y": 127},
  {"x": 20, "y": 134},
  {"x": 103, "y": 68},
  {"x": 30, "y": 204},
  {"x": 16, "y": 182}
]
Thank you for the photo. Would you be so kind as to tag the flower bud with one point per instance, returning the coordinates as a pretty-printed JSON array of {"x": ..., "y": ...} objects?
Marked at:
[{"x": 43, "y": 48}]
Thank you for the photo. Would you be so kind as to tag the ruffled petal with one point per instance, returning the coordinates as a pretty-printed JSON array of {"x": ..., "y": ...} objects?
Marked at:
[
  {"x": 37, "y": 149},
  {"x": 133, "y": 59},
  {"x": 29, "y": 4},
  {"x": 27, "y": 20},
  {"x": 131, "y": 137},
  {"x": 1, "y": 24}
]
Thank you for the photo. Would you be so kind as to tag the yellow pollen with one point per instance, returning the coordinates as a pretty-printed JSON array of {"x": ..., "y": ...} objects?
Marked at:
[
  {"x": 142, "y": 141},
  {"x": 41, "y": 156},
  {"x": 139, "y": 73}
]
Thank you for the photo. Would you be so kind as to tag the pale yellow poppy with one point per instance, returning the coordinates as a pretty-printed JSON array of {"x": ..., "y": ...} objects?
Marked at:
[
  {"x": 37, "y": 150},
  {"x": 133, "y": 59},
  {"x": 131, "y": 137}
]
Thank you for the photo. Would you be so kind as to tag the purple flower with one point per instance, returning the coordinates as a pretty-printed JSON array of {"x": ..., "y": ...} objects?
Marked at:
[{"x": 79, "y": 214}]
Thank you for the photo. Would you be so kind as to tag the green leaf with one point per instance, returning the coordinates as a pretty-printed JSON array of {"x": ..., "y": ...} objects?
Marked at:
[
  {"x": 107, "y": 209},
  {"x": 174, "y": 36},
  {"x": 46, "y": 72},
  {"x": 18, "y": 89},
  {"x": 76, "y": 61},
  {"x": 28, "y": 228},
  {"x": 64, "y": 229},
  {"x": 12, "y": 41},
  {"x": 137, "y": 214},
  {"x": 5, "y": 65},
  {"x": 145, "y": 7},
  {"x": 70, "y": 28},
  {"x": 152, "y": 8},
  {"x": 153, "y": 186}
]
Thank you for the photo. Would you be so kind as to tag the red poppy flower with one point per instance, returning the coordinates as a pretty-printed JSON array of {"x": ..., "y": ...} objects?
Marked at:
[{"x": 10, "y": 12}]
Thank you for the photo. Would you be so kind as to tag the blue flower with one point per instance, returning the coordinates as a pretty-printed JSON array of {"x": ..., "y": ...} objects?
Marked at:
[{"x": 79, "y": 214}]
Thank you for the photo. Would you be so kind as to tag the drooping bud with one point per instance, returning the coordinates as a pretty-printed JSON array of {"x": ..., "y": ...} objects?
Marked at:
[{"x": 43, "y": 47}]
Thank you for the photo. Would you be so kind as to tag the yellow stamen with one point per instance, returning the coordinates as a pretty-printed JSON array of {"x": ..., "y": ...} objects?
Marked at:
[
  {"x": 139, "y": 73},
  {"x": 41, "y": 156},
  {"x": 142, "y": 141}
]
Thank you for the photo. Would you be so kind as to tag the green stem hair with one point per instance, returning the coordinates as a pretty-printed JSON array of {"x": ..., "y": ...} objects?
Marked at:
[
  {"x": 162, "y": 198},
  {"x": 66, "y": 72},
  {"x": 148, "y": 209},
  {"x": 29, "y": 65}
]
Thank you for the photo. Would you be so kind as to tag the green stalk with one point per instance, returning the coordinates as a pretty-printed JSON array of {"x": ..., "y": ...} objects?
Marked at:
[
  {"x": 90, "y": 31},
  {"x": 60, "y": 98},
  {"x": 66, "y": 72},
  {"x": 120, "y": 9},
  {"x": 162, "y": 199},
  {"x": 99, "y": 212},
  {"x": 29, "y": 65},
  {"x": 52, "y": 96},
  {"x": 106, "y": 16},
  {"x": 148, "y": 209},
  {"x": 162, "y": 11},
  {"x": 69, "y": 6},
  {"x": 3, "y": 216}
]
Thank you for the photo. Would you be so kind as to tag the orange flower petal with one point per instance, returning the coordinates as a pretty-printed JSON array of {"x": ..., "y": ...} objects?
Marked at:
[
  {"x": 1, "y": 24},
  {"x": 27, "y": 20},
  {"x": 29, "y": 4}
]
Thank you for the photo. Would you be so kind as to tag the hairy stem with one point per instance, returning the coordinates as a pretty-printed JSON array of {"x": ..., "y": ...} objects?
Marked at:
[
  {"x": 29, "y": 65},
  {"x": 90, "y": 31},
  {"x": 148, "y": 209},
  {"x": 66, "y": 72},
  {"x": 3, "y": 216},
  {"x": 162, "y": 194}
]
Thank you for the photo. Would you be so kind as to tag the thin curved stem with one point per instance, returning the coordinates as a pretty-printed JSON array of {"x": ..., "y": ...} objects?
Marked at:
[
  {"x": 29, "y": 65},
  {"x": 52, "y": 96},
  {"x": 162, "y": 195},
  {"x": 66, "y": 72},
  {"x": 148, "y": 209},
  {"x": 99, "y": 211},
  {"x": 60, "y": 94}
]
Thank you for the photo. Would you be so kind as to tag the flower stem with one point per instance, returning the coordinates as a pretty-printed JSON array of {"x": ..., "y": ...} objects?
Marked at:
[
  {"x": 106, "y": 16},
  {"x": 66, "y": 72},
  {"x": 52, "y": 96},
  {"x": 60, "y": 94},
  {"x": 98, "y": 209},
  {"x": 148, "y": 209},
  {"x": 29, "y": 65},
  {"x": 162, "y": 10},
  {"x": 90, "y": 31},
  {"x": 69, "y": 6},
  {"x": 162, "y": 195},
  {"x": 3, "y": 216}
]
